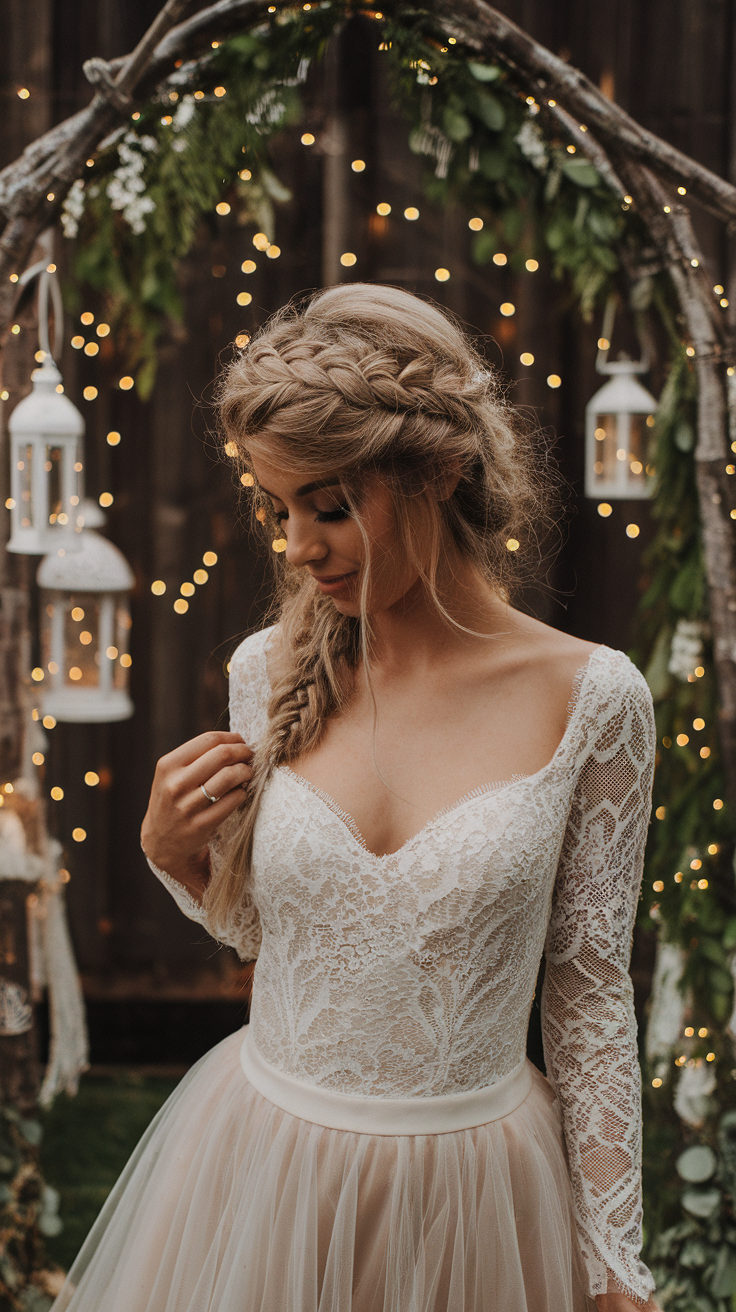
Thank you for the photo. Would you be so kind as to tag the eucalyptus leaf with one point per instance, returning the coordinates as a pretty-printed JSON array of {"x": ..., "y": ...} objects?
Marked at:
[
  {"x": 457, "y": 125},
  {"x": 696, "y": 1164},
  {"x": 701, "y": 1202},
  {"x": 484, "y": 72},
  {"x": 32, "y": 1131},
  {"x": 489, "y": 110},
  {"x": 684, "y": 436},
  {"x": 723, "y": 1280},
  {"x": 581, "y": 172}
]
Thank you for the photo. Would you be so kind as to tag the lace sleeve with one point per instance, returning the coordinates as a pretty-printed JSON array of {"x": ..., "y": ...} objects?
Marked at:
[
  {"x": 588, "y": 1019},
  {"x": 249, "y": 692}
]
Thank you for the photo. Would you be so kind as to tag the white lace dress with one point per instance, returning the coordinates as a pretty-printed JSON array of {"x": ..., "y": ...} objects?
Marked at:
[{"x": 379, "y": 1142}]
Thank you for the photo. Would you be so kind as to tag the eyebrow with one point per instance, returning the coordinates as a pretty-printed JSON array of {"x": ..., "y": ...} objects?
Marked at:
[{"x": 307, "y": 488}]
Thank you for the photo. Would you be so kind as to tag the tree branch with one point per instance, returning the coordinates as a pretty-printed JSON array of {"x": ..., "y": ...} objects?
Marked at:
[{"x": 485, "y": 29}]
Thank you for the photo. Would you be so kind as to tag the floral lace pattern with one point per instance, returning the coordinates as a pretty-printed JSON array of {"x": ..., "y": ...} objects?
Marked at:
[{"x": 413, "y": 973}]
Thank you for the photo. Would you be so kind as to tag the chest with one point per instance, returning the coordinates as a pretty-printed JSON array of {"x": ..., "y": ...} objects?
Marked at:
[{"x": 422, "y": 750}]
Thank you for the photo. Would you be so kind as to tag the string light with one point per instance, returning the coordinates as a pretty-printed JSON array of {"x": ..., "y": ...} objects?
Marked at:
[
  {"x": 105, "y": 499},
  {"x": 507, "y": 309},
  {"x": 23, "y": 93},
  {"x": 682, "y": 191},
  {"x": 383, "y": 208},
  {"x": 92, "y": 778},
  {"x": 475, "y": 224},
  {"x": 91, "y": 348},
  {"x": 656, "y": 1082},
  {"x": 512, "y": 544},
  {"x": 604, "y": 510},
  {"x": 242, "y": 340},
  {"x": 273, "y": 252},
  {"x": 500, "y": 259},
  {"x": 126, "y": 383},
  {"x": 248, "y": 266},
  {"x": 79, "y": 835},
  {"x": 442, "y": 275},
  {"x": 718, "y": 804},
  {"x": 48, "y": 722},
  {"x": 57, "y": 793},
  {"x": 243, "y": 298},
  {"x": 307, "y": 138},
  {"x": 38, "y": 758},
  {"x": 632, "y": 530},
  {"x": 187, "y": 589},
  {"x": 181, "y": 606},
  {"x": 358, "y": 166},
  {"x": 554, "y": 380},
  {"x": 200, "y": 576},
  {"x": 89, "y": 393},
  {"x": 661, "y": 812},
  {"x": 245, "y": 175},
  {"x": 260, "y": 241},
  {"x": 658, "y": 885},
  {"x": 247, "y": 480},
  {"x": 532, "y": 266},
  {"x": 411, "y": 213},
  {"x": 113, "y": 438},
  {"x": 222, "y": 207},
  {"x": 526, "y": 357},
  {"x": 220, "y": 92},
  {"x": 158, "y": 587},
  {"x": 705, "y": 752},
  {"x": 209, "y": 559},
  {"x": 679, "y": 877},
  {"x": 348, "y": 258}
]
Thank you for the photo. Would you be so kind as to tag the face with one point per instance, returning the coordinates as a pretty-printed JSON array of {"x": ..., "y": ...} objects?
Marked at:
[{"x": 324, "y": 538}]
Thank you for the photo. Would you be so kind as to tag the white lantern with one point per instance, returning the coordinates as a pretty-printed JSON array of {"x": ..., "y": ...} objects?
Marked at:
[
  {"x": 618, "y": 420},
  {"x": 85, "y": 624},
  {"x": 46, "y": 432}
]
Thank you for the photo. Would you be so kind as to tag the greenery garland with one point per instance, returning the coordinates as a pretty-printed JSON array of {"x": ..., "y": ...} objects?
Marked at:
[
  {"x": 28, "y": 1213},
  {"x": 138, "y": 214}
]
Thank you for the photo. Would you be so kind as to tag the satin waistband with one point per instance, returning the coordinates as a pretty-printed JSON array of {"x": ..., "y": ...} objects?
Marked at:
[{"x": 438, "y": 1114}]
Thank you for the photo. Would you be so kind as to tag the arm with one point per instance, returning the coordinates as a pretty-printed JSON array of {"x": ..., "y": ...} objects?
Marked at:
[{"x": 588, "y": 1019}]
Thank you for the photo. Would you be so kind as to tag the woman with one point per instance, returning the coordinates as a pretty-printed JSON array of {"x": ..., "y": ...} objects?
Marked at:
[{"x": 437, "y": 788}]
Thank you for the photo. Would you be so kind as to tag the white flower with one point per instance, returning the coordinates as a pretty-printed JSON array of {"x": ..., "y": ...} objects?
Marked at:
[
  {"x": 126, "y": 188},
  {"x": 531, "y": 143},
  {"x": 687, "y": 648},
  {"x": 267, "y": 112},
  {"x": 667, "y": 1005},
  {"x": 692, "y": 1095},
  {"x": 73, "y": 209},
  {"x": 184, "y": 113}
]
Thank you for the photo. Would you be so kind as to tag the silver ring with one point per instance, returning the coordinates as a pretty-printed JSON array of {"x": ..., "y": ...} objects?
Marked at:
[{"x": 209, "y": 796}]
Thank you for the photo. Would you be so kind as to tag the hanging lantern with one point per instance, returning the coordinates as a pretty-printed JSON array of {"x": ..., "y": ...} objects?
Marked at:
[
  {"x": 46, "y": 460},
  {"x": 618, "y": 420},
  {"x": 85, "y": 624}
]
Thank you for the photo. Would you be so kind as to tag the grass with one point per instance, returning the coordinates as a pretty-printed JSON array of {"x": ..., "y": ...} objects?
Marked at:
[{"x": 87, "y": 1141}]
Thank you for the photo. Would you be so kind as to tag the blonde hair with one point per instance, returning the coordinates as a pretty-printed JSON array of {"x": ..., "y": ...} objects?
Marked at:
[{"x": 368, "y": 380}]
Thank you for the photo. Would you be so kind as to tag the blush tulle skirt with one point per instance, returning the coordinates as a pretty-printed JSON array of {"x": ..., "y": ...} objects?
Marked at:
[{"x": 230, "y": 1204}]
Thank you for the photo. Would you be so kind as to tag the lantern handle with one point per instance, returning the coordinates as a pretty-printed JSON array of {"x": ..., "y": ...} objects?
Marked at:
[
  {"x": 601, "y": 361},
  {"x": 46, "y": 281}
]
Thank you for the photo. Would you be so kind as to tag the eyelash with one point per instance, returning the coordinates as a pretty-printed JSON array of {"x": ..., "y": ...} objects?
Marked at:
[{"x": 322, "y": 516}]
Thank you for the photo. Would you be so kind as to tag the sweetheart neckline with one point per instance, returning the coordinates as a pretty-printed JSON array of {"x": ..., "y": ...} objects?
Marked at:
[{"x": 482, "y": 790}]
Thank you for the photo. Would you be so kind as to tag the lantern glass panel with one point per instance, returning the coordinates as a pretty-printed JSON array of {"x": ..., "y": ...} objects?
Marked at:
[
  {"x": 638, "y": 443},
  {"x": 53, "y": 467},
  {"x": 81, "y": 639},
  {"x": 25, "y": 484},
  {"x": 122, "y": 638},
  {"x": 606, "y": 445}
]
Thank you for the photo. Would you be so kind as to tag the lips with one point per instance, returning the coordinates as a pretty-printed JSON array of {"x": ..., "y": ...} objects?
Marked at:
[{"x": 332, "y": 581}]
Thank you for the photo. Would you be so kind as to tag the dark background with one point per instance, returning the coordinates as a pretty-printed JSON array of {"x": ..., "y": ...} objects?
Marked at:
[{"x": 669, "y": 63}]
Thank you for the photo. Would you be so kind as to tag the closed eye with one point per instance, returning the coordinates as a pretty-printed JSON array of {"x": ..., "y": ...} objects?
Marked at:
[{"x": 322, "y": 516}]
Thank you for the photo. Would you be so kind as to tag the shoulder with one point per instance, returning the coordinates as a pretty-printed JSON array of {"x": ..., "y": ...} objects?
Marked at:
[
  {"x": 249, "y": 686},
  {"x": 251, "y": 652},
  {"x": 616, "y": 708}
]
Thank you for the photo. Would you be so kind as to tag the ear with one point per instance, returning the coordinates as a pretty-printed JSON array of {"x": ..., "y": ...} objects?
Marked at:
[{"x": 448, "y": 480}]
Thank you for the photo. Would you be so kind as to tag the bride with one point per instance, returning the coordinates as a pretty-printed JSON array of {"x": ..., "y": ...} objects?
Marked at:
[{"x": 423, "y": 791}]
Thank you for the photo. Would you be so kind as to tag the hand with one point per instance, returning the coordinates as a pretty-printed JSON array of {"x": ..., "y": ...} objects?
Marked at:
[{"x": 180, "y": 821}]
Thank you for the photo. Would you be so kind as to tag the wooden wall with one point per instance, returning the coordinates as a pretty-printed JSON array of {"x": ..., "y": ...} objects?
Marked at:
[{"x": 668, "y": 61}]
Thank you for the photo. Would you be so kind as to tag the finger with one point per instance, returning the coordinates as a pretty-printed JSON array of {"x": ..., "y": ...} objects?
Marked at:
[
  {"x": 196, "y": 747},
  {"x": 207, "y": 822},
  {"x": 208, "y": 765},
  {"x": 234, "y": 776}
]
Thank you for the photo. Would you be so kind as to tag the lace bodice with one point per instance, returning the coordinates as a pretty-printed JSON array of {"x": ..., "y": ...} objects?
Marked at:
[{"x": 414, "y": 973}]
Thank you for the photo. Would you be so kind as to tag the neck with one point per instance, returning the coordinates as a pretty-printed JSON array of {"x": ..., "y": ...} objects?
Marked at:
[{"x": 413, "y": 634}]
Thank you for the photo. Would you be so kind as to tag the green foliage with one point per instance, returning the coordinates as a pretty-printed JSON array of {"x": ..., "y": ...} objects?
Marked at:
[{"x": 28, "y": 1212}]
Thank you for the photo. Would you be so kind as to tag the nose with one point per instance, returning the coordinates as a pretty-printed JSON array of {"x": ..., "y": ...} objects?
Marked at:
[{"x": 303, "y": 542}]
